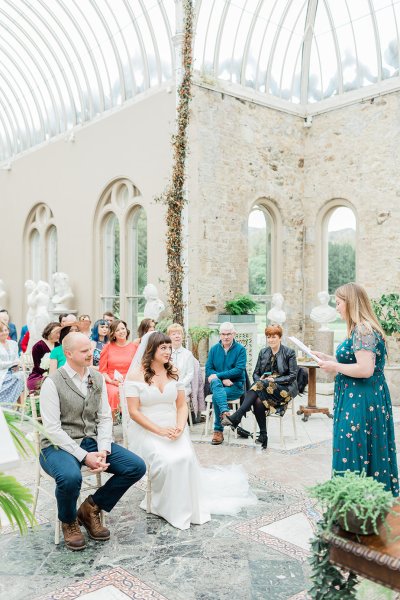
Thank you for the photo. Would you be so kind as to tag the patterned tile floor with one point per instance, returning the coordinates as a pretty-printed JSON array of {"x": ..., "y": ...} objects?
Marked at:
[{"x": 261, "y": 554}]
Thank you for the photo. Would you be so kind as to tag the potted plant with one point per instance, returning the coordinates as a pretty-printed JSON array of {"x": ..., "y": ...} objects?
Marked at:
[
  {"x": 239, "y": 310},
  {"x": 387, "y": 309},
  {"x": 197, "y": 335},
  {"x": 357, "y": 503}
]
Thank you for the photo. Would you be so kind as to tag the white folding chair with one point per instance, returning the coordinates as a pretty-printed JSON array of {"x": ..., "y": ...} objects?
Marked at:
[
  {"x": 280, "y": 423},
  {"x": 233, "y": 404},
  {"x": 41, "y": 474}
]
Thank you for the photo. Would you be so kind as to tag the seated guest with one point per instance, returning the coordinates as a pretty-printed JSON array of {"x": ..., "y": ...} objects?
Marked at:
[
  {"x": 77, "y": 418},
  {"x": 85, "y": 323},
  {"x": 225, "y": 371},
  {"x": 66, "y": 319},
  {"x": 99, "y": 338},
  {"x": 11, "y": 379},
  {"x": 275, "y": 383},
  {"x": 57, "y": 356},
  {"x": 23, "y": 339},
  {"x": 181, "y": 358},
  {"x": 50, "y": 338},
  {"x": 109, "y": 317},
  {"x": 117, "y": 355},
  {"x": 145, "y": 326},
  {"x": 12, "y": 330}
]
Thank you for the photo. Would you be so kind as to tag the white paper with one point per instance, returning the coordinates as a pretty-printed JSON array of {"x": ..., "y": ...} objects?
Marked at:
[{"x": 304, "y": 348}]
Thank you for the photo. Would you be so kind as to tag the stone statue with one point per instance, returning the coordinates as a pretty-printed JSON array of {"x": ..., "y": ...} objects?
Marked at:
[
  {"x": 62, "y": 292},
  {"x": 323, "y": 313},
  {"x": 3, "y": 294},
  {"x": 276, "y": 314},
  {"x": 153, "y": 306},
  {"x": 38, "y": 309}
]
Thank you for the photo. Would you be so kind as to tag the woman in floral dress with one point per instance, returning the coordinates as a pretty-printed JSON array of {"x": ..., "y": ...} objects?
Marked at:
[{"x": 363, "y": 431}]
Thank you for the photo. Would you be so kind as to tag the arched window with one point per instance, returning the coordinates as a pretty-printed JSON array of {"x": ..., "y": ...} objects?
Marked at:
[
  {"x": 41, "y": 244},
  {"x": 341, "y": 238},
  {"x": 121, "y": 227},
  {"x": 263, "y": 229}
]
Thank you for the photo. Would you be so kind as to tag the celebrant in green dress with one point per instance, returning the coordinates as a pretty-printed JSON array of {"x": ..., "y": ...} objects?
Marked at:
[{"x": 363, "y": 431}]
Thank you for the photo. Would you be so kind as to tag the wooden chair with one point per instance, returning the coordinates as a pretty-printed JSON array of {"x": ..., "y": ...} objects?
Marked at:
[
  {"x": 40, "y": 474},
  {"x": 280, "y": 423}
]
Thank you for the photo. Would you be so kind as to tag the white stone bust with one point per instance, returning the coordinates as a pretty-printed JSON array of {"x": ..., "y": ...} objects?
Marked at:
[
  {"x": 154, "y": 306},
  {"x": 38, "y": 309},
  {"x": 323, "y": 313},
  {"x": 62, "y": 292},
  {"x": 276, "y": 314}
]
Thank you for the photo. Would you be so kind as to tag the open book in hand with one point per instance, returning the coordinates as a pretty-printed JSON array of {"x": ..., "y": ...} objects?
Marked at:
[{"x": 307, "y": 351}]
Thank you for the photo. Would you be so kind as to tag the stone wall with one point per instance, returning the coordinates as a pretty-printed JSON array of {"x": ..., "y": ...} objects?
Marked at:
[{"x": 242, "y": 153}]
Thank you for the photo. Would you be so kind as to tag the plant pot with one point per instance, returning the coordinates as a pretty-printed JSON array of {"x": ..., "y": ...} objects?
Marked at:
[
  {"x": 237, "y": 318},
  {"x": 360, "y": 526}
]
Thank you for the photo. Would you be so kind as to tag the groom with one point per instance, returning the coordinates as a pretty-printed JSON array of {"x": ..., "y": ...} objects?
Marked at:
[{"x": 77, "y": 419}]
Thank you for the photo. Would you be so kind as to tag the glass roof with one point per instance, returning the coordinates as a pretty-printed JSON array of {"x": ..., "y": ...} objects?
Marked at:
[{"x": 65, "y": 62}]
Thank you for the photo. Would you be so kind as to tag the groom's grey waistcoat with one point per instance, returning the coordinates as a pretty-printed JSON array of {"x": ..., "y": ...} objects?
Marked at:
[{"x": 78, "y": 413}]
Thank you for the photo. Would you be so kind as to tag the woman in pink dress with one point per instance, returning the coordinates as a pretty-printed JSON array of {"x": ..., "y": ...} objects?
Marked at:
[{"x": 117, "y": 355}]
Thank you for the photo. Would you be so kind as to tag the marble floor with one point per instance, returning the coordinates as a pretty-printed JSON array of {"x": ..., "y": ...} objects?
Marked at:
[{"x": 260, "y": 554}]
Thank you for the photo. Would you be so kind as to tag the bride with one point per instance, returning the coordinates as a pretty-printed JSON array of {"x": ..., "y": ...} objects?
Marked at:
[{"x": 181, "y": 491}]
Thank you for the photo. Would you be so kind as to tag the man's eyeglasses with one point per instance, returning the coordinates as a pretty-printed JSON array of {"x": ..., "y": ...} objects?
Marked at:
[{"x": 227, "y": 334}]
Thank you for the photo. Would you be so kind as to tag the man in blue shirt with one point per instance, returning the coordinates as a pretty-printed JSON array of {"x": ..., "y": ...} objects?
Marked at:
[{"x": 225, "y": 371}]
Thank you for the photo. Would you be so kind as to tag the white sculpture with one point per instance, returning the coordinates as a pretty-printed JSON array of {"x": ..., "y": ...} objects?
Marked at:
[
  {"x": 38, "y": 309},
  {"x": 62, "y": 292},
  {"x": 154, "y": 306},
  {"x": 276, "y": 314},
  {"x": 323, "y": 313},
  {"x": 3, "y": 294}
]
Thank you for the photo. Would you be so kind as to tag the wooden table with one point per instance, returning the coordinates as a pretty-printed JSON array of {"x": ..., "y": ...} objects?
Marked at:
[
  {"x": 376, "y": 557},
  {"x": 312, "y": 407}
]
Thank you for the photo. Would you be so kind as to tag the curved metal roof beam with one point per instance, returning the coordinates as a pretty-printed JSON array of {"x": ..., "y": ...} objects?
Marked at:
[
  {"x": 22, "y": 62},
  {"x": 236, "y": 37},
  {"x": 141, "y": 45},
  {"x": 14, "y": 87},
  {"x": 44, "y": 59},
  {"x": 248, "y": 40},
  {"x": 219, "y": 36},
  {"x": 355, "y": 44},
  {"x": 9, "y": 123},
  {"x": 273, "y": 47},
  {"x": 307, "y": 42},
  {"x": 377, "y": 39},
  {"x": 77, "y": 58},
  {"x": 257, "y": 84},
  {"x": 116, "y": 55},
  {"x": 288, "y": 44},
  {"x": 102, "y": 91},
  {"x": 337, "y": 49},
  {"x": 4, "y": 133},
  {"x": 170, "y": 34},
  {"x": 153, "y": 38},
  {"x": 55, "y": 55},
  {"x": 125, "y": 45}
]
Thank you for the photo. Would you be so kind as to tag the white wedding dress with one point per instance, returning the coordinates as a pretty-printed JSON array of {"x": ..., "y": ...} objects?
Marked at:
[{"x": 182, "y": 492}]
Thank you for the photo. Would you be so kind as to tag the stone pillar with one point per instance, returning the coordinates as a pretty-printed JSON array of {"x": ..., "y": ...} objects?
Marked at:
[{"x": 323, "y": 342}]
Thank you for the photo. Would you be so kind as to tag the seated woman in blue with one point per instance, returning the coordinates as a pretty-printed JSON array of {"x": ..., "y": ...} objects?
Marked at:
[
  {"x": 99, "y": 338},
  {"x": 363, "y": 432}
]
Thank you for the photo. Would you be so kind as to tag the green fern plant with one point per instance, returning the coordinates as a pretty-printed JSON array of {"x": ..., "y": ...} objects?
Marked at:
[
  {"x": 241, "y": 305},
  {"x": 197, "y": 334},
  {"x": 16, "y": 499}
]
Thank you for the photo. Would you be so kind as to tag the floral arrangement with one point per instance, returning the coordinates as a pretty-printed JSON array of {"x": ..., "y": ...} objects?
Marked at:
[{"x": 45, "y": 362}]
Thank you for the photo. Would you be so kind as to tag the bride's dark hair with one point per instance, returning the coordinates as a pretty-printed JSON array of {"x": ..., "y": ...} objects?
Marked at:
[{"x": 155, "y": 340}]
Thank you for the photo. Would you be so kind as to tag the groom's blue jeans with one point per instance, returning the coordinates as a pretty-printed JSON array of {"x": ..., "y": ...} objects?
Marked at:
[
  {"x": 220, "y": 397},
  {"x": 127, "y": 469}
]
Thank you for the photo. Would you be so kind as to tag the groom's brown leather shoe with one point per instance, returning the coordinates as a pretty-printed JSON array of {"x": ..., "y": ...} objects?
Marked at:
[
  {"x": 73, "y": 536},
  {"x": 217, "y": 438},
  {"x": 89, "y": 517}
]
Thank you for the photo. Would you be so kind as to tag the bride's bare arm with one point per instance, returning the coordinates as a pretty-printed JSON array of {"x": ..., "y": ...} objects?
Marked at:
[
  {"x": 181, "y": 410},
  {"x": 137, "y": 416}
]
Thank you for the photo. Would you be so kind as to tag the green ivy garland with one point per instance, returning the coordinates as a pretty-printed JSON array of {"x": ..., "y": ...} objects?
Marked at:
[{"x": 174, "y": 197}]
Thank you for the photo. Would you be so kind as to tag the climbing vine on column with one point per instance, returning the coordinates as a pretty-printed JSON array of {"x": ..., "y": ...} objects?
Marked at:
[{"x": 174, "y": 196}]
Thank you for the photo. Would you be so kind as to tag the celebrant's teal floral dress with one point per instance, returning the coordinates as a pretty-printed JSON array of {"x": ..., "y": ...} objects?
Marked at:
[{"x": 363, "y": 431}]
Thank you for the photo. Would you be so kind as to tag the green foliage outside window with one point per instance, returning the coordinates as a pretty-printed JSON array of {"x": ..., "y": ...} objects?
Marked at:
[{"x": 341, "y": 265}]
